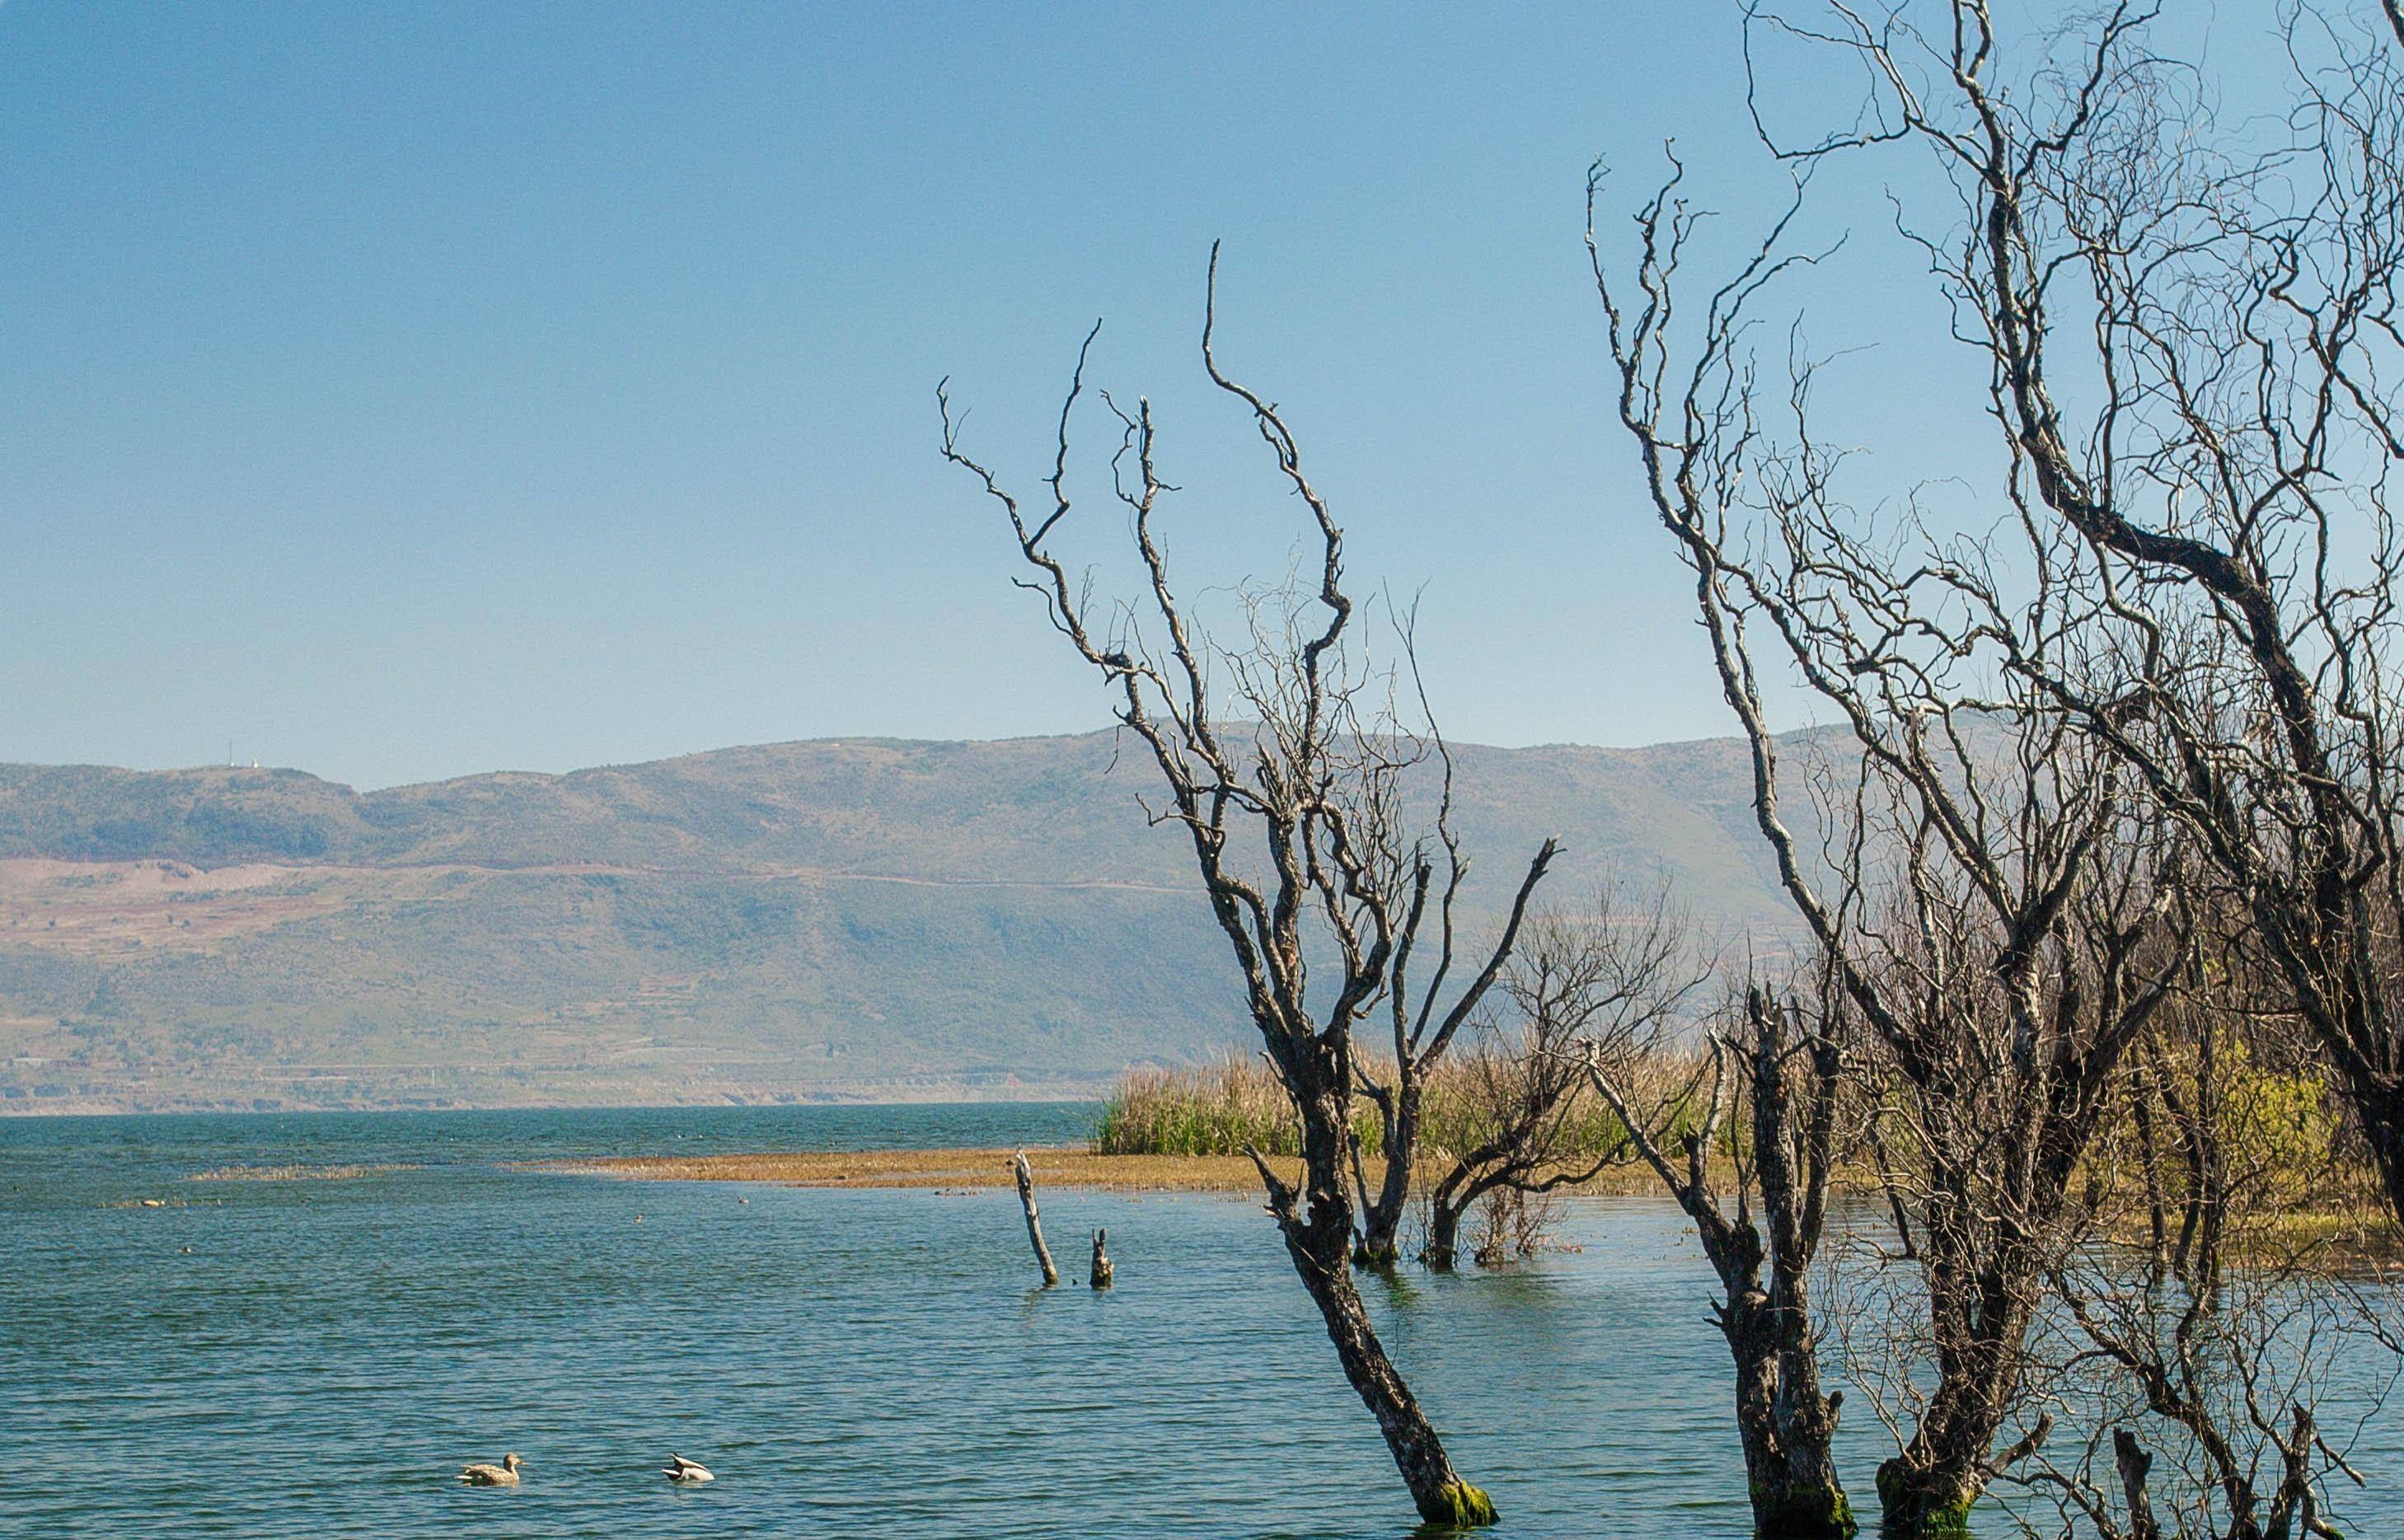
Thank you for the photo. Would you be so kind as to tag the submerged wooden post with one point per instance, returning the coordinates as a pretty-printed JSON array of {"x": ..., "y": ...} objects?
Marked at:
[
  {"x": 1026, "y": 1174},
  {"x": 1100, "y": 1278}
]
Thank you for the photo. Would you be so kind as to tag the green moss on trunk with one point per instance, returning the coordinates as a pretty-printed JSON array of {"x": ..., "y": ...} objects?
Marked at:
[
  {"x": 1802, "y": 1513},
  {"x": 1458, "y": 1505},
  {"x": 1912, "y": 1513}
]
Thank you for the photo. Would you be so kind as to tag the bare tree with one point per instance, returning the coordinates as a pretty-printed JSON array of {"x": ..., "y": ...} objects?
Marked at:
[
  {"x": 2191, "y": 612},
  {"x": 2208, "y": 1347},
  {"x": 1774, "y": 1065},
  {"x": 1421, "y": 1033},
  {"x": 1612, "y": 974},
  {"x": 1984, "y": 897},
  {"x": 1316, "y": 788},
  {"x": 2191, "y": 337},
  {"x": 2000, "y": 1101}
]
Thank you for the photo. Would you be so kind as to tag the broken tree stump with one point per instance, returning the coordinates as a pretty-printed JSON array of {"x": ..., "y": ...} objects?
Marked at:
[
  {"x": 1026, "y": 1175},
  {"x": 2134, "y": 1464},
  {"x": 1101, "y": 1277}
]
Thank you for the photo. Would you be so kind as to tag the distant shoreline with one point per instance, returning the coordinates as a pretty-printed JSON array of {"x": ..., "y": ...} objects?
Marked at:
[{"x": 1065, "y": 1092}]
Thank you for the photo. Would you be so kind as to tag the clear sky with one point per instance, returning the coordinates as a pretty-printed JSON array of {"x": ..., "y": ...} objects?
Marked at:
[{"x": 405, "y": 391}]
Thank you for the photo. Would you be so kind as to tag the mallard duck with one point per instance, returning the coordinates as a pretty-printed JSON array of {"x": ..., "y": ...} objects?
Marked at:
[
  {"x": 684, "y": 1472},
  {"x": 503, "y": 1475}
]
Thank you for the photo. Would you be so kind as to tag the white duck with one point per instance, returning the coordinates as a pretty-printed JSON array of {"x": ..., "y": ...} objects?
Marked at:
[
  {"x": 503, "y": 1475},
  {"x": 686, "y": 1473}
]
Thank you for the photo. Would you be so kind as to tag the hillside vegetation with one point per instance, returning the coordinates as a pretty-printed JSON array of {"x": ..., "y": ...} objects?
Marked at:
[{"x": 797, "y": 920}]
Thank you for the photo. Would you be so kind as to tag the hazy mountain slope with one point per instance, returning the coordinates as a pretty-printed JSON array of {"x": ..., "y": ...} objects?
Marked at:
[{"x": 801, "y": 919}]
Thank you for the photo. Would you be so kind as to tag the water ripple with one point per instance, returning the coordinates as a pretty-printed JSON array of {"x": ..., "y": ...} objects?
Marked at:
[{"x": 326, "y": 1354}]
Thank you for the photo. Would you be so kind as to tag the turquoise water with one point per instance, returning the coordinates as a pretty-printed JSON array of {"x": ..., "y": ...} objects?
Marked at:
[{"x": 327, "y": 1353}]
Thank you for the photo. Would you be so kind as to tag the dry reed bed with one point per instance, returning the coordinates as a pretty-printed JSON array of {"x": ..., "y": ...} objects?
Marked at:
[
  {"x": 1060, "y": 1167},
  {"x": 948, "y": 1168},
  {"x": 1221, "y": 1107}
]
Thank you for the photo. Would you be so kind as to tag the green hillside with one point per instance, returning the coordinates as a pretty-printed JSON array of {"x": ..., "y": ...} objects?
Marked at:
[{"x": 798, "y": 920}]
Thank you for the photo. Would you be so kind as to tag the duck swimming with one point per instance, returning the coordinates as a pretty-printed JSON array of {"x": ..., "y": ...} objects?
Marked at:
[
  {"x": 503, "y": 1475},
  {"x": 686, "y": 1473}
]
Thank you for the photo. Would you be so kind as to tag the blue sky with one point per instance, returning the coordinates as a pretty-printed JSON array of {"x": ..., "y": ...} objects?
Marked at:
[{"x": 402, "y": 392}]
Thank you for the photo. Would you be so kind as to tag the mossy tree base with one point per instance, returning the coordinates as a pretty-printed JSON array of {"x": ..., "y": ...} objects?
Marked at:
[
  {"x": 1912, "y": 1513},
  {"x": 1456, "y": 1506},
  {"x": 1802, "y": 1513},
  {"x": 1950, "y": 1522}
]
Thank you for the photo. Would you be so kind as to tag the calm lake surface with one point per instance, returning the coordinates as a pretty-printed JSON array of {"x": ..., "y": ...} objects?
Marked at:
[{"x": 327, "y": 1353}]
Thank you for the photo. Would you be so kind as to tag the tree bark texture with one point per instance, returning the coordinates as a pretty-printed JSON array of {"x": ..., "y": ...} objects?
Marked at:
[{"x": 1318, "y": 1238}]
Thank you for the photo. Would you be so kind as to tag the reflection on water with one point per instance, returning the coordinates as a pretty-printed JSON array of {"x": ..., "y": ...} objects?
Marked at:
[{"x": 318, "y": 1357}]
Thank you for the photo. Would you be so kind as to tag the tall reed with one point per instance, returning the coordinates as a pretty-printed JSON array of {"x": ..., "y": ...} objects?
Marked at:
[{"x": 1219, "y": 1107}]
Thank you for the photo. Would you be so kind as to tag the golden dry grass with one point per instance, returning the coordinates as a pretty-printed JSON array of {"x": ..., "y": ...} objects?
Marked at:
[
  {"x": 1222, "y": 1106},
  {"x": 1071, "y": 1167},
  {"x": 1055, "y": 1167}
]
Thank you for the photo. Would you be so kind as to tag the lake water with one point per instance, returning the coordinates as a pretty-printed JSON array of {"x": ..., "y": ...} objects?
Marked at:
[{"x": 317, "y": 1357}]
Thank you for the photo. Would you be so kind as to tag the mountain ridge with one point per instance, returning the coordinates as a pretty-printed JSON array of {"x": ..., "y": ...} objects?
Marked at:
[{"x": 818, "y": 918}]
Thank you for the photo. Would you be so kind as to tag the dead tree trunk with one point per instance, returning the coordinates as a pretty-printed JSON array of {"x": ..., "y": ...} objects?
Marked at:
[
  {"x": 1026, "y": 1175},
  {"x": 1381, "y": 1211},
  {"x": 1301, "y": 835},
  {"x": 2134, "y": 1466},
  {"x": 1102, "y": 1272},
  {"x": 1786, "y": 1075},
  {"x": 1447, "y": 1202},
  {"x": 1320, "y": 1240}
]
